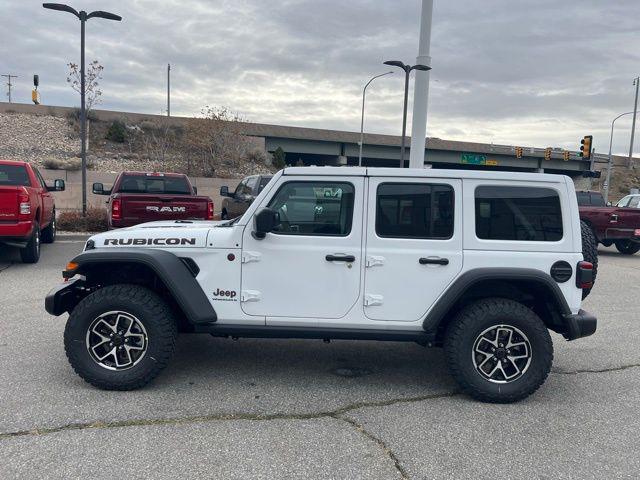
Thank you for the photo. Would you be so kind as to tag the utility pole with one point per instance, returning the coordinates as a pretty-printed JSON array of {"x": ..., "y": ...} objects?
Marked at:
[
  {"x": 168, "y": 90},
  {"x": 636, "y": 82},
  {"x": 9, "y": 84},
  {"x": 421, "y": 89}
]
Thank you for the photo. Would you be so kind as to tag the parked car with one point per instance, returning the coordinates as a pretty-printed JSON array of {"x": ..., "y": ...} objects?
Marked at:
[
  {"x": 27, "y": 209},
  {"x": 236, "y": 203},
  {"x": 612, "y": 225},
  {"x": 139, "y": 197},
  {"x": 472, "y": 261},
  {"x": 630, "y": 201}
]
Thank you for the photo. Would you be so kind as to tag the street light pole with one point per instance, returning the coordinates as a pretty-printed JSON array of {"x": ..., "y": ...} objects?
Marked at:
[
  {"x": 364, "y": 92},
  {"x": 636, "y": 82},
  {"x": 168, "y": 90},
  {"x": 83, "y": 17},
  {"x": 407, "y": 73},
  {"x": 610, "y": 162}
]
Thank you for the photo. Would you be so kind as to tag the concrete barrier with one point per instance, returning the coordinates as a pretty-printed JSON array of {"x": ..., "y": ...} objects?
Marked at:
[{"x": 71, "y": 198}]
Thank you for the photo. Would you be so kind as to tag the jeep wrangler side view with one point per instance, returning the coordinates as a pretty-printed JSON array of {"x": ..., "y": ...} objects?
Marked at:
[{"x": 481, "y": 263}]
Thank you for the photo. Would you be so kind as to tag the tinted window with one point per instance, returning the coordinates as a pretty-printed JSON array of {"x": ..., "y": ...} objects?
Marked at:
[
  {"x": 635, "y": 202},
  {"x": 518, "y": 213},
  {"x": 589, "y": 199},
  {"x": 14, "y": 175},
  {"x": 414, "y": 210},
  {"x": 263, "y": 183},
  {"x": 314, "y": 208},
  {"x": 252, "y": 183},
  {"x": 583, "y": 199},
  {"x": 140, "y": 184}
]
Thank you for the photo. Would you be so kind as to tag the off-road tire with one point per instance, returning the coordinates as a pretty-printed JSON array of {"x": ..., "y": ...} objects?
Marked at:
[
  {"x": 49, "y": 233},
  {"x": 477, "y": 317},
  {"x": 145, "y": 305},
  {"x": 627, "y": 247},
  {"x": 589, "y": 252},
  {"x": 31, "y": 253}
]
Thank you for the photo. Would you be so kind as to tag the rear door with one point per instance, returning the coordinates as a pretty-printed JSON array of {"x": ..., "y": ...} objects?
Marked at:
[{"x": 413, "y": 246}]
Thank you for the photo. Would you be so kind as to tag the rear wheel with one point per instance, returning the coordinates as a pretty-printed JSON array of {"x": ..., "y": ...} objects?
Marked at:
[
  {"x": 120, "y": 337},
  {"x": 224, "y": 215},
  {"x": 31, "y": 253},
  {"x": 49, "y": 233},
  {"x": 589, "y": 252},
  {"x": 627, "y": 247},
  {"x": 498, "y": 350}
]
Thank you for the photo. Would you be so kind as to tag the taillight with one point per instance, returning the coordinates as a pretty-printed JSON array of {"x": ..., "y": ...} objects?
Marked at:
[
  {"x": 210, "y": 210},
  {"x": 584, "y": 275},
  {"x": 116, "y": 211},
  {"x": 24, "y": 203}
]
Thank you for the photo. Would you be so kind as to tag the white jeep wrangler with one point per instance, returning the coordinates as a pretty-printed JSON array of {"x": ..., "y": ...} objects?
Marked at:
[{"x": 482, "y": 263}]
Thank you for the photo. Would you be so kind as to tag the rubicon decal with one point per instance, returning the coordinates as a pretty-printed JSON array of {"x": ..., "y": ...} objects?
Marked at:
[
  {"x": 152, "y": 208},
  {"x": 225, "y": 295},
  {"x": 149, "y": 241}
]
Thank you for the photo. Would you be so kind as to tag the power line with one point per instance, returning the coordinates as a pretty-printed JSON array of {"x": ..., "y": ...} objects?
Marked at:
[{"x": 9, "y": 84}]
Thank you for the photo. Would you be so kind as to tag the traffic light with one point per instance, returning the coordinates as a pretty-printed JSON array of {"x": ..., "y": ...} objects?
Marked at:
[
  {"x": 519, "y": 151},
  {"x": 547, "y": 153},
  {"x": 566, "y": 155},
  {"x": 585, "y": 147}
]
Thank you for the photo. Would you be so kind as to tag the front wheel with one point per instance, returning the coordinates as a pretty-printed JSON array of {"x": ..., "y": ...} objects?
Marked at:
[
  {"x": 498, "y": 350},
  {"x": 627, "y": 247},
  {"x": 120, "y": 337}
]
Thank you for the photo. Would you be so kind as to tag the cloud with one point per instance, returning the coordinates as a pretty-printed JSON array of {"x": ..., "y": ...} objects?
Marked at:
[{"x": 535, "y": 72}]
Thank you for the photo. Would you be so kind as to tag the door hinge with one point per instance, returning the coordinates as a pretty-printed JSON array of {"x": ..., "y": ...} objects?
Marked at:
[
  {"x": 250, "y": 296},
  {"x": 373, "y": 260},
  {"x": 371, "y": 300},
  {"x": 250, "y": 257}
]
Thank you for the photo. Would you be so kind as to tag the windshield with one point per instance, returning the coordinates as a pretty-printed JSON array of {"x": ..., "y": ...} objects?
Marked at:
[
  {"x": 14, "y": 175},
  {"x": 168, "y": 185}
]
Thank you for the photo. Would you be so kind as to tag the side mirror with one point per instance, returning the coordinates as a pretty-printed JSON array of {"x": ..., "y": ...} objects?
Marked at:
[
  {"x": 195, "y": 190},
  {"x": 58, "y": 186},
  {"x": 98, "y": 189},
  {"x": 224, "y": 191},
  {"x": 265, "y": 221}
]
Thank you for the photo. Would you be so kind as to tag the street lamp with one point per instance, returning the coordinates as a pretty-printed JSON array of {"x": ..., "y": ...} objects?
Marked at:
[
  {"x": 364, "y": 91},
  {"x": 407, "y": 71},
  {"x": 610, "y": 163},
  {"x": 83, "y": 17}
]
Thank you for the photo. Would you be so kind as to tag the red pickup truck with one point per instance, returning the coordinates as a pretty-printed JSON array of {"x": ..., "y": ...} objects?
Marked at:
[
  {"x": 612, "y": 225},
  {"x": 27, "y": 209},
  {"x": 139, "y": 197}
]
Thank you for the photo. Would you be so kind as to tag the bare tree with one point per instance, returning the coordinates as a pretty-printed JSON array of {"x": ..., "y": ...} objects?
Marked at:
[
  {"x": 159, "y": 139},
  {"x": 93, "y": 75},
  {"x": 217, "y": 138}
]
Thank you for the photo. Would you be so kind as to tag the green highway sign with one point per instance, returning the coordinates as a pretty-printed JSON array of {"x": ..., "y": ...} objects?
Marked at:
[{"x": 474, "y": 159}]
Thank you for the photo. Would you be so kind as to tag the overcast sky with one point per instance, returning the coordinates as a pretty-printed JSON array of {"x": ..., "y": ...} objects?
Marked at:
[{"x": 525, "y": 72}]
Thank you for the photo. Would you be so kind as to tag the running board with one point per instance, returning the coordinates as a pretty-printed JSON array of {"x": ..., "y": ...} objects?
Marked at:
[{"x": 264, "y": 331}]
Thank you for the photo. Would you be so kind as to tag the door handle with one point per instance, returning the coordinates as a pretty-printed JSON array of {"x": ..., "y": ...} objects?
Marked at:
[
  {"x": 434, "y": 261},
  {"x": 340, "y": 258}
]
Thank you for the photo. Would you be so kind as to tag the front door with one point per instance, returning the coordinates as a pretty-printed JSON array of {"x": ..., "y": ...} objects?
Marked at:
[
  {"x": 413, "y": 245},
  {"x": 309, "y": 267}
]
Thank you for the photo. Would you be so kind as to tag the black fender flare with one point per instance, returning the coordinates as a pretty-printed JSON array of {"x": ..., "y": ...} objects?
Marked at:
[
  {"x": 170, "y": 269},
  {"x": 473, "y": 277}
]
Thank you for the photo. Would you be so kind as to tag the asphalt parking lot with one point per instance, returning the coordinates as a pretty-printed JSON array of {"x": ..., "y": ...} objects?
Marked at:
[{"x": 305, "y": 409}]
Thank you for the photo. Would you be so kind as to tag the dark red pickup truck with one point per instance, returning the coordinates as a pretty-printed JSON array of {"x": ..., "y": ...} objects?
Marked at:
[
  {"x": 27, "y": 209},
  {"x": 138, "y": 197},
  {"x": 612, "y": 225}
]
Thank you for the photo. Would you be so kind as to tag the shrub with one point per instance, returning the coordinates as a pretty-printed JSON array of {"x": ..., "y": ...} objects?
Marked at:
[
  {"x": 117, "y": 132},
  {"x": 71, "y": 164},
  {"x": 73, "y": 221},
  {"x": 279, "y": 158}
]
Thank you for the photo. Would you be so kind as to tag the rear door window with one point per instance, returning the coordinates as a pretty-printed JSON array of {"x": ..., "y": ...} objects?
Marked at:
[
  {"x": 14, "y": 175},
  {"x": 518, "y": 213}
]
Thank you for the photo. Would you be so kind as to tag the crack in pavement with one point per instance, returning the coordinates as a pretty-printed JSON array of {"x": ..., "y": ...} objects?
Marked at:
[
  {"x": 223, "y": 417},
  {"x": 604, "y": 370},
  {"x": 387, "y": 451}
]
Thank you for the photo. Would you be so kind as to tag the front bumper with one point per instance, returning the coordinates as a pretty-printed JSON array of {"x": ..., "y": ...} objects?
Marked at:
[
  {"x": 581, "y": 324},
  {"x": 61, "y": 298}
]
